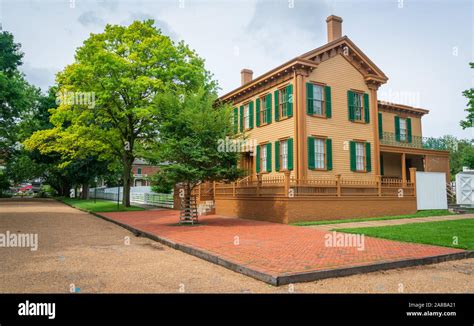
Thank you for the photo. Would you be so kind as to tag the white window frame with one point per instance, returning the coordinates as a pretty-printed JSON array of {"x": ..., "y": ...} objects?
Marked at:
[
  {"x": 318, "y": 103},
  {"x": 320, "y": 153},
  {"x": 263, "y": 158},
  {"x": 358, "y": 107},
  {"x": 284, "y": 154},
  {"x": 403, "y": 129},
  {"x": 246, "y": 116},
  {"x": 283, "y": 106},
  {"x": 360, "y": 156}
]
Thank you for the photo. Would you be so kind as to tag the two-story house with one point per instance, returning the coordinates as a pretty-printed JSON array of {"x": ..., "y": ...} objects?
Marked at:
[{"x": 317, "y": 119}]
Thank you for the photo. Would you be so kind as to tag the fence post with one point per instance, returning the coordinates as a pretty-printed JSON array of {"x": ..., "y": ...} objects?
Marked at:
[
  {"x": 287, "y": 183},
  {"x": 259, "y": 180},
  {"x": 338, "y": 185},
  {"x": 379, "y": 185},
  {"x": 214, "y": 189},
  {"x": 233, "y": 189}
]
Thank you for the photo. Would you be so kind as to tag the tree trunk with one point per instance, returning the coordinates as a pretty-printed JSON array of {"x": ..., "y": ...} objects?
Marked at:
[
  {"x": 85, "y": 191},
  {"x": 127, "y": 178}
]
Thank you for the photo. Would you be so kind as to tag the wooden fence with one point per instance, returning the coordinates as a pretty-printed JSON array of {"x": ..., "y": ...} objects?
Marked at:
[{"x": 332, "y": 186}]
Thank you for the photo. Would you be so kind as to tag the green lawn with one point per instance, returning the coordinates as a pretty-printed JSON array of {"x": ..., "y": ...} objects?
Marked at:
[
  {"x": 99, "y": 206},
  {"x": 435, "y": 233},
  {"x": 433, "y": 212}
]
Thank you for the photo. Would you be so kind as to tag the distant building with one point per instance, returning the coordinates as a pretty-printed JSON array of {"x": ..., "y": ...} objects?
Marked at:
[{"x": 141, "y": 172}]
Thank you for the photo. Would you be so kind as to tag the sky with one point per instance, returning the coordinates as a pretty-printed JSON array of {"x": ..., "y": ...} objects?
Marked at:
[{"x": 424, "y": 47}]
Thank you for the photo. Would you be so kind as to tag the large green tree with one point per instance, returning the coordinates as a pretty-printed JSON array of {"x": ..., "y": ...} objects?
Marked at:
[
  {"x": 189, "y": 147},
  {"x": 469, "y": 94},
  {"x": 16, "y": 95},
  {"x": 124, "y": 68}
]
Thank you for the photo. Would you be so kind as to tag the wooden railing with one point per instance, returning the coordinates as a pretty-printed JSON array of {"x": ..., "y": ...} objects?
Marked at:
[{"x": 284, "y": 185}]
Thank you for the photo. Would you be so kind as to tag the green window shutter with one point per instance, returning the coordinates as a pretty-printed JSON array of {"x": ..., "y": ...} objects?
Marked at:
[
  {"x": 327, "y": 95},
  {"x": 368, "y": 158},
  {"x": 329, "y": 154},
  {"x": 309, "y": 98},
  {"x": 277, "y": 156},
  {"x": 257, "y": 165},
  {"x": 251, "y": 115},
  {"x": 289, "y": 99},
  {"x": 257, "y": 111},
  {"x": 311, "y": 158},
  {"x": 241, "y": 118},
  {"x": 290, "y": 153},
  {"x": 352, "y": 148},
  {"x": 269, "y": 157},
  {"x": 276, "y": 100},
  {"x": 397, "y": 128},
  {"x": 409, "y": 130},
  {"x": 269, "y": 108},
  {"x": 236, "y": 120},
  {"x": 350, "y": 105},
  {"x": 366, "y": 108},
  {"x": 380, "y": 126}
]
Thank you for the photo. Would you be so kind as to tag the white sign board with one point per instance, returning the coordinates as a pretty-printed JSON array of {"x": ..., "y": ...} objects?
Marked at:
[{"x": 431, "y": 190}]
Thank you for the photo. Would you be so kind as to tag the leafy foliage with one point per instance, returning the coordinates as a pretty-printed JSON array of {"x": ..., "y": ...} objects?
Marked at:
[
  {"x": 188, "y": 144},
  {"x": 469, "y": 94}
]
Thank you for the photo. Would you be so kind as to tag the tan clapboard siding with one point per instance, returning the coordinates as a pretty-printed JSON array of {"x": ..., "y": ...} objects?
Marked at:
[
  {"x": 272, "y": 132},
  {"x": 338, "y": 73},
  {"x": 388, "y": 122}
]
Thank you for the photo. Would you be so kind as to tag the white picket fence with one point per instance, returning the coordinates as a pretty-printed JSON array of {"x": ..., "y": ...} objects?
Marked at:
[{"x": 138, "y": 195}]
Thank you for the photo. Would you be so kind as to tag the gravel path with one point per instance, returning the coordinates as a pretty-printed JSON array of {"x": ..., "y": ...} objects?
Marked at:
[{"x": 79, "y": 250}]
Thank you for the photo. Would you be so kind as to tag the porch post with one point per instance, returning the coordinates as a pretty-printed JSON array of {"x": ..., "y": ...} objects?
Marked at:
[{"x": 404, "y": 169}]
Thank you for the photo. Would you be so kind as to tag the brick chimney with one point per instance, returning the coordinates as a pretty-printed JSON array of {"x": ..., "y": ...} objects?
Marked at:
[
  {"x": 246, "y": 76},
  {"x": 334, "y": 27}
]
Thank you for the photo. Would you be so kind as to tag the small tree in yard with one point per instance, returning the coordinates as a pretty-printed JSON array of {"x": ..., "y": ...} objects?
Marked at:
[{"x": 188, "y": 144}]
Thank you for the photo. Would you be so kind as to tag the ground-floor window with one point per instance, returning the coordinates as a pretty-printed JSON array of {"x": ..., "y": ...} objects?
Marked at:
[{"x": 360, "y": 156}]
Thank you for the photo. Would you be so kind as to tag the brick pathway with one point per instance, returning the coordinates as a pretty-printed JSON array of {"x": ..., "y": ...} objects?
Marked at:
[
  {"x": 368, "y": 224},
  {"x": 269, "y": 248}
]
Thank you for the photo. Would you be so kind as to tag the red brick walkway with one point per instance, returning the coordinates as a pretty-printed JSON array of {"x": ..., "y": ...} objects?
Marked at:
[{"x": 270, "y": 248}]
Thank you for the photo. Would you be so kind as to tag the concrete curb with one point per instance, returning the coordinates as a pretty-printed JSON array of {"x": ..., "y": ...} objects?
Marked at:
[{"x": 283, "y": 279}]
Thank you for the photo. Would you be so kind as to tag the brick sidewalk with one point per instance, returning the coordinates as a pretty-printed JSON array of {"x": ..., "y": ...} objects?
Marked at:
[
  {"x": 275, "y": 250},
  {"x": 368, "y": 224}
]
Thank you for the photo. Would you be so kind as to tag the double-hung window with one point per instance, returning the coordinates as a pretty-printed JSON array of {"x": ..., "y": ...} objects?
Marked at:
[
  {"x": 318, "y": 99},
  {"x": 319, "y": 153},
  {"x": 358, "y": 107},
  {"x": 246, "y": 117},
  {"x": 360, "y": 156},
  {"x": 283, "y": 100},
  {"x": 284, "y": 154},
  {"x": 403, "y": 130},
  {"x": 263, "y": 110},
  {"x": 263, "y": 158}
]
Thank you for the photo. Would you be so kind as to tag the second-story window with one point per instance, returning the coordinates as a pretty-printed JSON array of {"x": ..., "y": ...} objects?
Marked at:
[
  {"x": 403, "y": 130},
  {"x": 139, "y": 171},
  {"x": 318, "y": 100},
  {"x": 246, "y": 116},
  {"x": 263, "y": 110},
  {"x": 283, "y": 100},
  {"x": 358, "y": 107}
]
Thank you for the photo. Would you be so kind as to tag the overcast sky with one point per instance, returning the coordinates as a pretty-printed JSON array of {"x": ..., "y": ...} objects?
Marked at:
[{"x": 424, "y": 47}]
